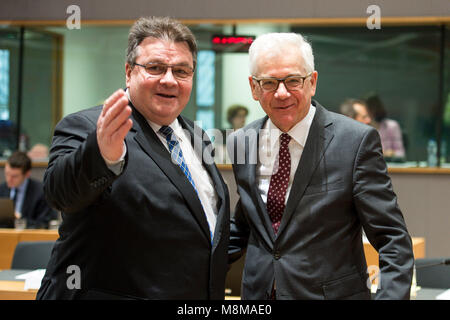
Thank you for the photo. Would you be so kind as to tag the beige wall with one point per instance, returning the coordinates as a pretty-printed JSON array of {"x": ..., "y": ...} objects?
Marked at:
[{"x": 218, "y": 9}]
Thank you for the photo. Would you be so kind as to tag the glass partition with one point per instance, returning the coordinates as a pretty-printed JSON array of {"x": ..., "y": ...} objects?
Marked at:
[
  {"x": 9, "y": 53},
  {"x": 68, "y": 70},
  {"x": 445, "y": 137},
  {"x": 401, "y": 66},
  {"x": 30, "y": 90}
]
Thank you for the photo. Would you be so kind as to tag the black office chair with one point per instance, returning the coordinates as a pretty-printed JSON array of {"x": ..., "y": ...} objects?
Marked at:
[
  {"x": 32, "y": 255},
  {"x": 433, "y": 273}
]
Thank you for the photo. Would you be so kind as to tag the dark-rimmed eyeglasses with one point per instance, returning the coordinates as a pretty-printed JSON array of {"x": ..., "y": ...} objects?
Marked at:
[
  {"x": 156, "y": 69},
  {"x": 290, "y": 82}
]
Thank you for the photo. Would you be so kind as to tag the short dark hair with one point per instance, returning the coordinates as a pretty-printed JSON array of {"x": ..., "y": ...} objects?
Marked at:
[
  {"x": 20, "y": 160},
  {"x": 163, "y": 28},
  {"x": 376, "y": 107},
  {"x": 233, "y": 111},
  {"x": 347, "y": 108}
]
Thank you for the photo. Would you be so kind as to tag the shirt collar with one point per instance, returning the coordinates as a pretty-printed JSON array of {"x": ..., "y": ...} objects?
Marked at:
[
  {"x": 23, "y": 186},
  {"x": 175, "y": 125},
  {"x": 299, "y": 132}
]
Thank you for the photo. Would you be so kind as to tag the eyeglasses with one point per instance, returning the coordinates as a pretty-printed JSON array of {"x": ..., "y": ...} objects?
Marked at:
[
  {"x": 290, "y": 82},
  {"x": 156, "y": 69}
]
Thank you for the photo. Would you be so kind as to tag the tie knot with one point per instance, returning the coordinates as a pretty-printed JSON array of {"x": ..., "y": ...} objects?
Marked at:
[
  {"x": 166, "y": 131},
  {"x": 284, "y": 139}
]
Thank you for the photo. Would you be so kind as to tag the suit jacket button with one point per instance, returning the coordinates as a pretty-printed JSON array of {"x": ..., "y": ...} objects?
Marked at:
[{"x": 277, "y": 255}]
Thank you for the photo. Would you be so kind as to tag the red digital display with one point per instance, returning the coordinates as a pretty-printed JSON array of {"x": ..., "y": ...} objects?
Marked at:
[
  {"x": 234, "y": 43},
  {"x": 247, "y": 40}
]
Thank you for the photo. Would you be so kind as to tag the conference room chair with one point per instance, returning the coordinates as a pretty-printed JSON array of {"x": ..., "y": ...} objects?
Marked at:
[
  {"x": 31, "y": 255},
  {"x": 433, "y": 273}
]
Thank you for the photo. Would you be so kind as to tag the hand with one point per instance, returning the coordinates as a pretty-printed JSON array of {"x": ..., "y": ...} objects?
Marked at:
[{"x": 113, "y": 125}]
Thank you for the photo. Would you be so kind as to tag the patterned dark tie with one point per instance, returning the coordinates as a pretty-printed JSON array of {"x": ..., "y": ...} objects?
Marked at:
[
  {"x": 176, "y": 153},
  {"x": 177, "y": 157},
  {"x": 14, "y": 197},
  {"x": 279, "y": 183}
]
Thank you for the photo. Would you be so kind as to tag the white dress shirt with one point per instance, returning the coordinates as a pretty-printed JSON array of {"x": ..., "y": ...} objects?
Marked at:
[
  {"x": 269, "y": 142},
  {"x": 19, "y": 193},
  {"x": 203, "y": 182}
]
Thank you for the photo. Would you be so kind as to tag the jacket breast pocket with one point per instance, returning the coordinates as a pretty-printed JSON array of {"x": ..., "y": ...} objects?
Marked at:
[{"x": 324, "y": 187}]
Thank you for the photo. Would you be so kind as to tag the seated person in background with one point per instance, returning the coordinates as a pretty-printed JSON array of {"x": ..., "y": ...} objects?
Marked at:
[
  {"x": 236, "y": 115},
  {"x": 389, "y": 130},
  {"x": 27, "y": 193},
  {"x": 356, "y": 109}
]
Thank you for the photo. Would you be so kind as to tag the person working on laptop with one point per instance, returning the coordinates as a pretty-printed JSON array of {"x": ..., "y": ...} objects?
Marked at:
[{"x": 27, "y": 193}]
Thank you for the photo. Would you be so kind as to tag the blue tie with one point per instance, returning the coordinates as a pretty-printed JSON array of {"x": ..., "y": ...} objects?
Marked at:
[
  {"x": 14, "y": 196},
  {"x": 177, "y": 156},
  {"x": 176, "y": 153}
]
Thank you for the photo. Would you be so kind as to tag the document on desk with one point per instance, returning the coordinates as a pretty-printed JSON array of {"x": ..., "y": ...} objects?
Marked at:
[
  {"x": 444, "y": 295},
  {"x": 32, "y": 279}
]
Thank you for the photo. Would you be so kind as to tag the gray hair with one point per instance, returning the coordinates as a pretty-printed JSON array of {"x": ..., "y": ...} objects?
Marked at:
[
  {"x": 277, "y": 43},
  {"x": 163, "y": 28}
]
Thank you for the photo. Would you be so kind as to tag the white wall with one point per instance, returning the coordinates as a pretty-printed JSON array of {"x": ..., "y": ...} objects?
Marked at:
[{"x": 94, "y": 65}]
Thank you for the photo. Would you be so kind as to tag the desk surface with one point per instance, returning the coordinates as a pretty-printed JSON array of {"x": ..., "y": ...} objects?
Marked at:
[
  {"x": 427, "y": 294},
  {"x": 372, "y": 255},
  {"x": 12, "y": 288},
  {"x": 9, "y": 238}
]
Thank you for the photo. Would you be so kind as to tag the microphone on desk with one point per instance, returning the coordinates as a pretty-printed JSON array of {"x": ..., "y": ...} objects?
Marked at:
[{"x": 438, "y": 263}]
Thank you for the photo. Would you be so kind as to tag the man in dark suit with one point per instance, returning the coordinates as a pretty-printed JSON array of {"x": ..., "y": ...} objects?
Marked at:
[
  {"x": 309, "y": 181},
  {"x": 145, "y": 210},
  {"x": 27, "y": 193}
]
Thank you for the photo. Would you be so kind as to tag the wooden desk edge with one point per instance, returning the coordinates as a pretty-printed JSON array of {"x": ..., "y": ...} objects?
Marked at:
[
  {"x": 14, "y": 290},
  {"x": 228, "y": 167},
  {"x": 412, "y": 170}
]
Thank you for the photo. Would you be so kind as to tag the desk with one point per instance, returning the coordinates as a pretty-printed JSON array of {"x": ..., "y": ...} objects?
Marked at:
[
  {"x": 12, "y": 289},
  {"x": 427, "y": 294},
  {"x": 372, "y": 254},
  {"x": 10, "y": 237}
]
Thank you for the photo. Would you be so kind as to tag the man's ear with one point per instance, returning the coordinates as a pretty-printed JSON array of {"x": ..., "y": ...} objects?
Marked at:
[
  {"x": 254, "y": 88},
  {"x": 313, "y": 82},
  {"x": 128, "y": 70},
  {"x": 28, "y": 174}
]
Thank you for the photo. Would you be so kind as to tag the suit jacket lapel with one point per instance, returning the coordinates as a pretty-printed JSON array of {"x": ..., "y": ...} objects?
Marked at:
[
  {"x": 196, "y": 134},
  {"x": 318, "y": 140},
  {"x": 152, "y": 145}
]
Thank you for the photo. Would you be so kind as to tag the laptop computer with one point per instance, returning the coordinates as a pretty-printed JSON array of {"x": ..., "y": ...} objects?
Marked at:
[{"x": 6, "y": 213}]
